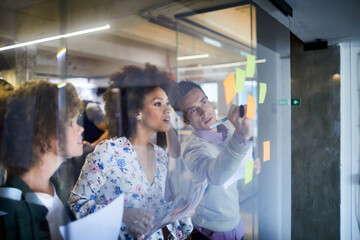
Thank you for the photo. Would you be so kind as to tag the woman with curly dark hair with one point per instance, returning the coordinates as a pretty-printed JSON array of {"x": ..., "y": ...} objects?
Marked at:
[
  {"x": 38, "y": 132},
  {"x": 136, "y": 106}
]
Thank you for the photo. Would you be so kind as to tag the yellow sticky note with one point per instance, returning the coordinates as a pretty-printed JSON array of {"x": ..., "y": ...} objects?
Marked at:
[
  {"x": 249, "y": 168},
  {"x": 266, "y": 151},
  {"x": 250, "y": 108},
  {"x": 240, "y": 80},
  {"x": 229, "y": 86},
  {"x": 250, "y": 66},
  {"x": 262, "y": 92}
]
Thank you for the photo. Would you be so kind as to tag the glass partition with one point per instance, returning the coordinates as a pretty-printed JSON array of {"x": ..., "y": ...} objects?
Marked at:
[
  {"x": 213, "y": 50},
  {"x": 76, "y": 46}
]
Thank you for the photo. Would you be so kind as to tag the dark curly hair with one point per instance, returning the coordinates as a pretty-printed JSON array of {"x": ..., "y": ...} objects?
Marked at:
[
  {"x": 31, "y": 119},
  {"x": 132, "y": 84}
]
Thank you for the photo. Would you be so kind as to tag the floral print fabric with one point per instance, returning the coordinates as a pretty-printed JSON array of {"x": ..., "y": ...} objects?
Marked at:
[{"x": 113, "y": 168}]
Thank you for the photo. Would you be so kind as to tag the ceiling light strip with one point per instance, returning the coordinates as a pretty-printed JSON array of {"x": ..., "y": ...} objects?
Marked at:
[
  {"x": 90, "y": 30},
  {"x": 182, "y": 58},
  {"x": 217, "y": 66}
]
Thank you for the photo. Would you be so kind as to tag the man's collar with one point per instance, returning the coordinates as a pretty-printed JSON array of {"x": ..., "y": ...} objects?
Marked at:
[{"x": 211, "y": 136}]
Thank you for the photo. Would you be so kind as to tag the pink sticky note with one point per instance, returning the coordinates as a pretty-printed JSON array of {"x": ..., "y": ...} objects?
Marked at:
[
  {"x": 250, "y": 108},
  {"x": 229, "y": 86}
]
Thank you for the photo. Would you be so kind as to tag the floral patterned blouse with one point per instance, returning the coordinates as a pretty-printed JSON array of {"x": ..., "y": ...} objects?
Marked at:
[{"x": 113, "y": 168}]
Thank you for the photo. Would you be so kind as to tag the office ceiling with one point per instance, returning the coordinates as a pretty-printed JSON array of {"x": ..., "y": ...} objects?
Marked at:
[
  {"x": 144, "y": 31},
  {"x": 331, "y": 20}
]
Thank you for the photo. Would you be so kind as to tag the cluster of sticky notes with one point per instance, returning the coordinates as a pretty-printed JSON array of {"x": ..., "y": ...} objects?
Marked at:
[
  {"x": 249, "y": 168},
  {"x": 235, "y": 84}
]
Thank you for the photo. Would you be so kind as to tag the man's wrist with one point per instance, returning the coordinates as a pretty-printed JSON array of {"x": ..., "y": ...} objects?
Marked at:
[{"x": 241, "y": 139}]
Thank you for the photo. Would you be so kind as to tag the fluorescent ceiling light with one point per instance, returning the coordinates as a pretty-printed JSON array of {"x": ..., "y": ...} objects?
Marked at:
[
  {"x": 217, "y": 66},
  {"x": 107, "y": 26},
  {"x": 212, "y": 42},
  {"x": 193, "y": 57}
]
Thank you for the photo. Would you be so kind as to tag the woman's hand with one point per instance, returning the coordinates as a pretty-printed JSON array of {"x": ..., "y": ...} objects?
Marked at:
[{"x": 138, "y": 221}]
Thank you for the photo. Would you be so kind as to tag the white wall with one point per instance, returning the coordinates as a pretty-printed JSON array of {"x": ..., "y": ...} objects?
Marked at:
[{"x": 350, "y": 155}]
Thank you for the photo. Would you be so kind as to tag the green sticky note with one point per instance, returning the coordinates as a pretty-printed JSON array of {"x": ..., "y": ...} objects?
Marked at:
[
  {"x": 240, "y": 80},
  {"x": 250, "y": 66},
  {"x": 262, "y": 92},
  {"x": 249, "y": 168}
]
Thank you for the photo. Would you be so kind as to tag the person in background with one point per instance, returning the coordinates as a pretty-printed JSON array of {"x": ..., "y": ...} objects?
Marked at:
[
  {"x": 36, "y": 137},
  {"x": 214, "y": 155},
  {"x": 93, "y": 121},
  {"x": 136, "y": 106},
  {"x": 5, "y": 87}
]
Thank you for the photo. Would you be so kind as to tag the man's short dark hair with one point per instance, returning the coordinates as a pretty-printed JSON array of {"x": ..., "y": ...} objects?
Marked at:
[{"x": 182, "y": 88}]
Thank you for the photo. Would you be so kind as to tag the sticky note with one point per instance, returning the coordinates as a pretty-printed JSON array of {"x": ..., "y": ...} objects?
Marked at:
[
  {"x": 240, "y": 80},
  {"x": 266, "y": 151},
  {"x": 229, "y": 86},
  {"x": 249, "y": 168},
  {"x": 250, "y": 66},
  {"x": 262, "y": 92},
  {"x": 250, "y": 108}
]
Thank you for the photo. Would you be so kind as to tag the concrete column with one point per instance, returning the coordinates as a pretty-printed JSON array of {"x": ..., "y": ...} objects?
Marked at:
[
  {"x": 25, "y": 63},
  {"x": 22, "y": 66}
]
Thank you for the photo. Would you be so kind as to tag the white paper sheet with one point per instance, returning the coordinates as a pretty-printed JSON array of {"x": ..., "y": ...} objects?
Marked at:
[
  {"x": 102, "y": 224},
  {"x": 178, "y": 209},
  {"x": 240, "y": 173}
]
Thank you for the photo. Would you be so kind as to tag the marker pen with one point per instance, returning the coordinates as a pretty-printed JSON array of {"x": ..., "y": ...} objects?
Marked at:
[{"x": 241, "y": 113}]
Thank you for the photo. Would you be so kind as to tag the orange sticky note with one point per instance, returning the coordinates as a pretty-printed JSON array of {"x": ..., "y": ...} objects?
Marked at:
[
  {"x": 266, "y": 151},
  {"x": 229, "y": 86},
  {"x": 249, "y": 169},
  {"x": 250, "y": 109}
]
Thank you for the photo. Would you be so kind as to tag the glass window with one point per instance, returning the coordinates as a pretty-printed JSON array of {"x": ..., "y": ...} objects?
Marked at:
[{"x": 231, "y": 50}]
